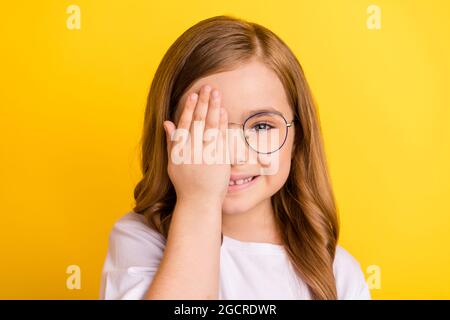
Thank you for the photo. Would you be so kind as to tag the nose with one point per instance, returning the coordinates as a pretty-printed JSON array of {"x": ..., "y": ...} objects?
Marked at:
[{"x": 238, "y": 149}]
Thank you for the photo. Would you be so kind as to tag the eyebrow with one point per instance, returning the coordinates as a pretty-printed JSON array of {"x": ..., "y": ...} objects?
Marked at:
[
  {"x": 259, "y": 110},
  {"x": 264, "y": 109}
]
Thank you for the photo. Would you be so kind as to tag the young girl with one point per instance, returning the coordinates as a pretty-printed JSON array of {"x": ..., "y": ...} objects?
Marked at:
[{"x": 231, "y": 230}]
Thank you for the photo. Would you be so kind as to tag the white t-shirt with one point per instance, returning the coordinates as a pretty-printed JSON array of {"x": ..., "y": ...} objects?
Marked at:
[{"x": 248, "y": 270}]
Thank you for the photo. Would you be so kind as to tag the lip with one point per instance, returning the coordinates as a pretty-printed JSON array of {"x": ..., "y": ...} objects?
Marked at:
[
  {"x": 242, "y": 176},
  {"x": 239, "y": 187}
]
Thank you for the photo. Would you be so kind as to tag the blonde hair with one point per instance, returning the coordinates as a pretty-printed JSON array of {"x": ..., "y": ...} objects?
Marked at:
[{"x": 304, "y": 207}]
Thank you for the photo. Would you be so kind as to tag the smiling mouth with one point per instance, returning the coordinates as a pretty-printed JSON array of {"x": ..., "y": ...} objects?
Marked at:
[{"x": 241, "y": 183}]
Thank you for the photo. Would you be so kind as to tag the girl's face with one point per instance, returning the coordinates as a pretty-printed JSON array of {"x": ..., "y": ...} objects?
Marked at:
[{"x": 247, "y": 90}]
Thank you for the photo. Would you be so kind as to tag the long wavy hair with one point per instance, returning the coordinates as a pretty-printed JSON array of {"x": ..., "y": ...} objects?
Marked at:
[{"x": 305, "y": 210}]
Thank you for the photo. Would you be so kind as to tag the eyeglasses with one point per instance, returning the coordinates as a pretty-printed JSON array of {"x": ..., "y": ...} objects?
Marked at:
[{"x": 265, "y": 132}]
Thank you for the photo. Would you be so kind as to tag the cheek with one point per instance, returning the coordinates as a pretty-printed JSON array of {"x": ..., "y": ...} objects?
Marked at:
[{"x": 276, "y": 181}]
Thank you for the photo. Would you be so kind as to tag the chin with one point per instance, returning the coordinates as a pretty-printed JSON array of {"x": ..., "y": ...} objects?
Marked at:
[{"x": 236, "y": 206}]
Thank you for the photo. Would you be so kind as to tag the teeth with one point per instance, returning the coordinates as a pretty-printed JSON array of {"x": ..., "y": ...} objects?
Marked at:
[{"x": 240, "y": 181}]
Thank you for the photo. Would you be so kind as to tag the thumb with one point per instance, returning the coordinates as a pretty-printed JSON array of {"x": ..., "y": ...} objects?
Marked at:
[{"x": 169, "y": 128}]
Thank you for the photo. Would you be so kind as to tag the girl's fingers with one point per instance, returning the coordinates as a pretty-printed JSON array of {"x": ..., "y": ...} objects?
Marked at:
[
  {"x": 202, "y": 105},
  {"x": 187, "y": 114},
  {"x": 223, "y": 123},
  {"x": 223, "y": 126},
  {"x": 213, "y": 115}
]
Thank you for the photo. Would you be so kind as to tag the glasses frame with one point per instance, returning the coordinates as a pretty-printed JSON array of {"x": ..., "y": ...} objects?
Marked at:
[{"x": 288, "y": 125}]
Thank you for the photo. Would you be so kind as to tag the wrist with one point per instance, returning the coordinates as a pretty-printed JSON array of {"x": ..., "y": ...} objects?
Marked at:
[{"x": 209, "y": 203}]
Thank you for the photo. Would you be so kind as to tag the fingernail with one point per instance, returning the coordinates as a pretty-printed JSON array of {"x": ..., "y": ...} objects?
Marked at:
[
  {"x": 207, "y": 88},
  {"x": 194, "y": 96},
  {"x": 215, "y": 94}
]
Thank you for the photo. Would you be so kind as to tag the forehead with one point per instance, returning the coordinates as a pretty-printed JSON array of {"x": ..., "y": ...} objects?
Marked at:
[{"x": 245, "y": 90}]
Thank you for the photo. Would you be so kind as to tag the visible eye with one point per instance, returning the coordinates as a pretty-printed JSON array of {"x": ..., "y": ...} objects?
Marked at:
[{"x": 262, "y": 126}]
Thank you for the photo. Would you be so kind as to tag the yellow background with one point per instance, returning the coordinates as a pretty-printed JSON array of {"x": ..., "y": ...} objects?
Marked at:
[{"x": 72, "y": 104}]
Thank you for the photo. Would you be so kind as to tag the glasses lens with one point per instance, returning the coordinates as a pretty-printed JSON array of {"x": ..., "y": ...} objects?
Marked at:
[{"x": 265, "y": 132}]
